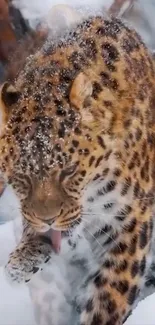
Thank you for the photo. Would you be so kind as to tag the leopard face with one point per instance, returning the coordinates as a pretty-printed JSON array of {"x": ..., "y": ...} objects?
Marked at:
[{"x": 77, "y": 111}]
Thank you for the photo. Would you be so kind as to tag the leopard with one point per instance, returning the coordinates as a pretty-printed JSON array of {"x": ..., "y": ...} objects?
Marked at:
[{"x": 77, "y": 145}]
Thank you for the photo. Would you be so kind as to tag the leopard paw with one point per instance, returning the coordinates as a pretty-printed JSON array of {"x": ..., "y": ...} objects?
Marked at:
[{"x": 28, "y": 258}]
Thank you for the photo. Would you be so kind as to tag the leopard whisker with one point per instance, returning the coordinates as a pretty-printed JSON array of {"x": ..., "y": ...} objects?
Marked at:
[
  {"x": 100, "y": 246},
  {"x": 93, "y": 238},
  {"x": 103, "y": 231},
  {"x": 102, "y": 214}
]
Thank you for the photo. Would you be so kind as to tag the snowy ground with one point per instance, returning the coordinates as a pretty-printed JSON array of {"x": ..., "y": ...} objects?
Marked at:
[{"x": 15, "y": 303}]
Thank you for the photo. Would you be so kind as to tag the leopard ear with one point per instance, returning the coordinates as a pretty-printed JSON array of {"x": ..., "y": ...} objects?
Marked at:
[
  {"x": 80, "y": 96},
  {"x": 8, "y": 97},
  {"x": 80, "y": 91}
]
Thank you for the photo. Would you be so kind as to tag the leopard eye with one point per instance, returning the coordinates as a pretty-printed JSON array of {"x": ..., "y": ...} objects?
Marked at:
[
  {"x": 68, "y": 172},
  {"x": 71, "y": 170}
]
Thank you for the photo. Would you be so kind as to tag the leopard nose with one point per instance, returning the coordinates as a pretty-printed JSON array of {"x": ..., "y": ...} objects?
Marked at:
[
  {"x": 46, "y": 198},
  {"x": 46, "y": 209}
]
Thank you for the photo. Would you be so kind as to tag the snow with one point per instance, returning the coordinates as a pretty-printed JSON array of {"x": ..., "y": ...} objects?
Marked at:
[
  {"x": 15, "y": 303},
  {"x": 144, "y": 313}
]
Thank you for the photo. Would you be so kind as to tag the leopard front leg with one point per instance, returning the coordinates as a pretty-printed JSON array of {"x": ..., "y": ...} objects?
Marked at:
[
  {"x": 29, "y": 256},
  {"x": 111, "y": 293}
]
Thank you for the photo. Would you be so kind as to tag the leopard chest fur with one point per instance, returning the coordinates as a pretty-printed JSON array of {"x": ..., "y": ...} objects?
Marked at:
[{"x": 105, "y": 213}]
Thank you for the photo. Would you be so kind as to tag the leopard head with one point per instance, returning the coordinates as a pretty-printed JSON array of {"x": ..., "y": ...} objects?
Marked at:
[{"x": 49, "y": 158}]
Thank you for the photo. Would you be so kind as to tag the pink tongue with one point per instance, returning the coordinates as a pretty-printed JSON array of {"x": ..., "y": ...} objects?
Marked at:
[{"x": 56, "y": 240}]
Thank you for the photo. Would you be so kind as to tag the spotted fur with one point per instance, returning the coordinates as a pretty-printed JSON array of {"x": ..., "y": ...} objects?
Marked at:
[{"x": 77, "y": 145}]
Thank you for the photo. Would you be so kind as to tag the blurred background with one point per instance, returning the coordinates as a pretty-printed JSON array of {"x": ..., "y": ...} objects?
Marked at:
[{"x": 23, "y": 25}]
